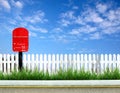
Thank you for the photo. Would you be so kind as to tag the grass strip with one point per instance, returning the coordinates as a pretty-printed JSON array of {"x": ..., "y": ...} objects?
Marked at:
[{"x": 69, "y": 74}]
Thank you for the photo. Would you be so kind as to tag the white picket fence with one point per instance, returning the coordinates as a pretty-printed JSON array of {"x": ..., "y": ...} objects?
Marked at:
[{"x": 52, "y": 63}]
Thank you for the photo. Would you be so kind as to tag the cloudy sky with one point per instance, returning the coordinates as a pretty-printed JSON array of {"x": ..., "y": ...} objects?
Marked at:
[{"x": 62, "y": 26}]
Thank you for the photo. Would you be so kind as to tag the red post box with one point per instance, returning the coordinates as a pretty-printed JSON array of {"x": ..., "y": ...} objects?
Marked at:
[{"x": 20, "y": 40}]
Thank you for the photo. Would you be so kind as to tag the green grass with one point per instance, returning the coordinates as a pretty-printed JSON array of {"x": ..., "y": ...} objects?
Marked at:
[{"x": 61, "y": 75}]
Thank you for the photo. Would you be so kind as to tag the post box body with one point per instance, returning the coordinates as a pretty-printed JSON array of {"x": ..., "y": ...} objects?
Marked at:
[{"x": 20, "y": 40}]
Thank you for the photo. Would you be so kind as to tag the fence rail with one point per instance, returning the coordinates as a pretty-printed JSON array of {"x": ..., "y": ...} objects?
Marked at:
[{"x": 53, "y": 62}]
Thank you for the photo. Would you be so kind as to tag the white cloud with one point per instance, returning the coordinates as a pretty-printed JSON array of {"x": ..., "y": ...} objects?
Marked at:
[
  {"x": 75, "y": 7},
  {"x": 62, "y": 38},
  {"x": 68, "y": 14},
  {"x": 38, "y": 29},
  {"x": 43, "y": 30},
  {"x": 32, "y": 34},
  {"x": 33, "y": 28},
  {"x": 111, "y": 30},
  {"x": 105, "y": 24},
  {"x": 74, "y": 32},
  {"x": 37, "y": 17},
  {"x": 64, "y": 22},
  {"x": 5, "y": 4},
  {"x": 17, "y": 4},
  {"x": 84, "y": 29},
  {"x": 95, "y": 36},
  {"x": 89, "y": 29},
  {"x": 101, "y": 8},
  {"x": 92, "y": 16},
  {"x": 79, "y": 20},
  {"x": 67, "y": 18},
  {"x": 111, "y": 23},
  {"x": 111, "y": 15},
  {"x": 57, "y": 30}
]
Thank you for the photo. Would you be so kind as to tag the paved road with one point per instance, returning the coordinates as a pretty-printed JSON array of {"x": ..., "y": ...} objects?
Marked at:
[{"x": 59, "y": 90}]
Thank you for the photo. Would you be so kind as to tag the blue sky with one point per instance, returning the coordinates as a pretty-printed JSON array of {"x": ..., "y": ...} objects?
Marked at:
[{"x": 62, "y": 26}]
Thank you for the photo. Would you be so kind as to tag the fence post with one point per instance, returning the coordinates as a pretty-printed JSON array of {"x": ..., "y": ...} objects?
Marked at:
[{"x": 20, "y": 61}]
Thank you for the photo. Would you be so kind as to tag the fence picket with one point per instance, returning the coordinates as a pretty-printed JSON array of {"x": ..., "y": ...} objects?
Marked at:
[
  {"x": 32, "y": 63},
  {"x": 69, "y": 61},
  {"x": 114, "y": 60},
  {"x": 25, "y": 61},
  {"x": 45, "y": 63},
  {"x": 110, "y": 62},
  {"x": 12, "y": 63},
  {"x": 90, "y": 62},
  {"x": 37, "y": 62},
  {"x": 53, "y": 63},
  {"x": 85, "y": 62},
  {"x": 29, "y": 61},
  {"x": 65, "y": 63},
  {"x": 82, "y": 62},
  {"x": 78, "y": 62},
  {"x": 61, "y": 61},
  {"x": 41, "y": 62},
  {"x": 49, "y": 64},
  {"x": 57, "y": 62},
  {"x": 118, "y": 61}
]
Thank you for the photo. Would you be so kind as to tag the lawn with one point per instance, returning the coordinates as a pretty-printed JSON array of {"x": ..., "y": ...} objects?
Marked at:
[{"x": 61, "y": 75}]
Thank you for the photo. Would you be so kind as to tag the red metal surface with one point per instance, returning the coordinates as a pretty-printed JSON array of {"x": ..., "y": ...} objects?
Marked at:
[{"x": 20, "y": 40}]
